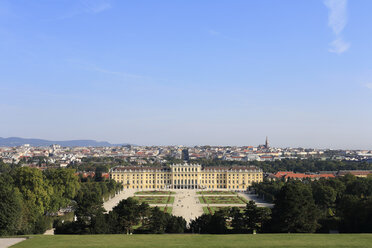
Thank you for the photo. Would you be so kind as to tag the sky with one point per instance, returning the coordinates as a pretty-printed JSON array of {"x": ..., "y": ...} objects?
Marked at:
[{"x": 211, "y": 72}]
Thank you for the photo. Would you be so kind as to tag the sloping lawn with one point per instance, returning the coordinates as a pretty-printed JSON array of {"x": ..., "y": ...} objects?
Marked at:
[{"x": 205, "y": 241}]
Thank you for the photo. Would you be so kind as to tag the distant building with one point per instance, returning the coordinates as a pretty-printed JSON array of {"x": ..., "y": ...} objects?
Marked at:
[
  {"x": 300, "y": 176},
  {"x": 357, "y": 173},
  {"x": 185, "y": 154}
]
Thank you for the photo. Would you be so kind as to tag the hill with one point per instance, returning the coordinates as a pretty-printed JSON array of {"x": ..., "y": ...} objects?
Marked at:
[{"x": 16, "y": 141}]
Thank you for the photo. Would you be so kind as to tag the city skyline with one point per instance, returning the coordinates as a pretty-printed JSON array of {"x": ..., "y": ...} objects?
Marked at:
[{"x": 188, "y": 73}]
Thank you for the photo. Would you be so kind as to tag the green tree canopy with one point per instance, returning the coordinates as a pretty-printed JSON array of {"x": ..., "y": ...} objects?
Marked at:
[{"x": 295, "y": 210}]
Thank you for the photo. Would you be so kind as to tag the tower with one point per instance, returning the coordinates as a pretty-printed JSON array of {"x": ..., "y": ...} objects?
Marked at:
[{"x": 267, "y": 143}]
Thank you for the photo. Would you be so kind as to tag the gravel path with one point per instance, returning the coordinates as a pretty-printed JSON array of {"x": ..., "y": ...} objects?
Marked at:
[
  {"x": 6, "y": 242},
  {"x": 108, "y": 205},
  {"x": 259, "y": 202},
  {"x": 187, "y": 205}
]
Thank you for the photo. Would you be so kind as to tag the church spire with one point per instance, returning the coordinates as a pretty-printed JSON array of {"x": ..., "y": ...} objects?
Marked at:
[{"x": 267, "y": 143}]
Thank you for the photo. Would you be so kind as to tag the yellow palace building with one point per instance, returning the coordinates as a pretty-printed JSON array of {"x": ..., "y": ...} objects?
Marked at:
[{"x": 186, "y": 176}]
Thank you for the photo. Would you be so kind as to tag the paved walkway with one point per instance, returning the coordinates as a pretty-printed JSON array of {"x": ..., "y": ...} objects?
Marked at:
[
  {"x": 108, "y": 205},
  {"x": 6, "y": 242},
  {"x": 49, "y": 232}
]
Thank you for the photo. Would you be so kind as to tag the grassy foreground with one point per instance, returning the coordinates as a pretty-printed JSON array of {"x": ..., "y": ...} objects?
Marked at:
[{"x": 189, "y": 240}]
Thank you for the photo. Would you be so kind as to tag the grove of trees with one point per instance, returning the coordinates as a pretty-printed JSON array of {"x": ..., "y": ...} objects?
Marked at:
[
  {"x": 129, "y": 216},
  {"x": 341, "y": 204},
  {"x": 31, "y": 198}
]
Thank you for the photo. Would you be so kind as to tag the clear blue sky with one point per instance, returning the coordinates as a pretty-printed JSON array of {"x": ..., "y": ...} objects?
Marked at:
[{"x": 188, "y": 72}]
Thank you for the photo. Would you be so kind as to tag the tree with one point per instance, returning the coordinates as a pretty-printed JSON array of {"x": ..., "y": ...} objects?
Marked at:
[
  {"x": 217, "y": 224},
  {"x": 237, "y": 222},
  {"x": 36, "y": 194},
  {"x": 10, "y": 207},
  {"x": 294, "y": 209},
  {"x": 355, "y": 213},
  {"x": 128, "y": 214},
  {"x": 143, "y": 212},
  {"x": 89, "y": 207},
  {"x": 100, "y": 224},
  {"x": 255, "y": 217},
  {"x": 176, "y": 224},
  {"x": 324, "y": 196},
  {"x": 157, "y": 221},
  {"x": 65, "y": 187},
  {"x": 201, "y": 224}
]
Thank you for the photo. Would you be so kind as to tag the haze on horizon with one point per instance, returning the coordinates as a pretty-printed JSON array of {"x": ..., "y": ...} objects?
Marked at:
[{"x": 212, "y": 72}]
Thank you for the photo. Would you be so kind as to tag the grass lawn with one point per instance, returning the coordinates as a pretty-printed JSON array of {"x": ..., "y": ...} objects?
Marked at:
[
  {"x": 154, "y": 192},
  {"x": 170, "y": 200},
  {"x": 212, "y": 210},
  {"x": 155, "y": 199},
  {"x": 205, "y": 241},
  {"x": 221, "y": 200},
  {"x": 212, "y": 192}
]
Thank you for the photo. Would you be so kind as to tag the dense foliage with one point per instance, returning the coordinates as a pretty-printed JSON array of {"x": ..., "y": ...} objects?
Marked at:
[
  {"x": 127, "y": 217},
  {"x": 251, "y": 219},
  {"x": 103, "y": 164},
  {"x": 31, "y": 198},
  {"x": 343, "y": 204},
  {"x": 295, "y": 165}
]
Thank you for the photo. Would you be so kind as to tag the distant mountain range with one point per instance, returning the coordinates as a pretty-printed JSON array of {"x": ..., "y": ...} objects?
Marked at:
[{"x": 15, "y": 141}]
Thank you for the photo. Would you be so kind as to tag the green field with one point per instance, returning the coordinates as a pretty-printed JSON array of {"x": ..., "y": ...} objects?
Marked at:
[
  {"x": 211, "y": 192},
  {"x": 155, "y": 199},
  {"x": 154, "y": 192},
  {"x": 221, "y": 200},
  {"x": 189, "y": 240}
]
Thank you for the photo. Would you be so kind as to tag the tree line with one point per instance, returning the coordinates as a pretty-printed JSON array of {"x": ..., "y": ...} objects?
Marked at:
[
  {"x": 295, "y": 165},
  {"x": 341, "y": 204},
  {"x": 129, "y": 216},
  {"x": 31, "y": 198}
]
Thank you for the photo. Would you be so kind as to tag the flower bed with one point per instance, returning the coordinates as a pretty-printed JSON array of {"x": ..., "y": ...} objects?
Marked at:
[
  {"x": 155, "y": 192},
  {"x": 215, "y": 192},
  {"x": 221, "y": 200},
  {"x": 155, "y": 199}
]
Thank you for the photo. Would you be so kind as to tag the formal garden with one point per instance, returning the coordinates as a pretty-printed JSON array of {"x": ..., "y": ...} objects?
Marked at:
[
  {"x": 155, "y": 192},
  {"x": 155, "y": 199},
  {"x": 212, "y": 192},
  {"x": 222, "y": 200}
]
